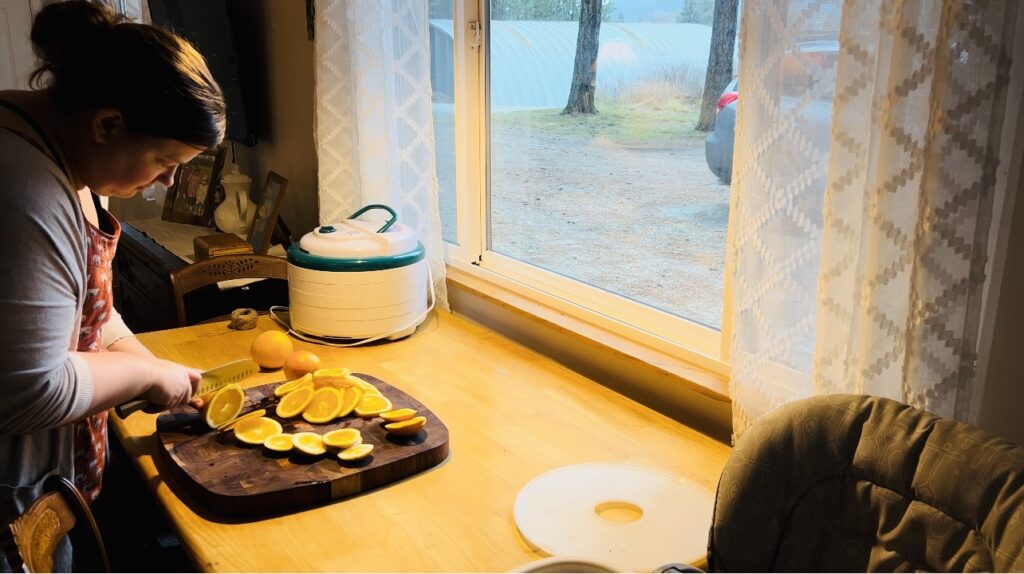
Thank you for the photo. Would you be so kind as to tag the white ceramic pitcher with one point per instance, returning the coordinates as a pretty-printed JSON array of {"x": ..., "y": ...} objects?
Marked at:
[{"x": 235, "y": 213}]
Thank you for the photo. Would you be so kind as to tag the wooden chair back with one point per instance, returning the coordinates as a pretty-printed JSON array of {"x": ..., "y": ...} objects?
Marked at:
[
  {"x": 223, "y": 268},
  {"x": 31, "y": 539}
]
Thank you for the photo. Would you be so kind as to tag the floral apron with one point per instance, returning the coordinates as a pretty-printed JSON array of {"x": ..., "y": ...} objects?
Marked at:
[{"x": 91, "y": 433}]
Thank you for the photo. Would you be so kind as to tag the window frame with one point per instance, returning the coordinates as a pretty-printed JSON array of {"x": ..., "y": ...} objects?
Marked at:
[{"x": 703, "y": 346}]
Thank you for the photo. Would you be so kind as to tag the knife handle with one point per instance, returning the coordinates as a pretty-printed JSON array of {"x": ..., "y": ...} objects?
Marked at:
[{"x": 125, "y": 409}]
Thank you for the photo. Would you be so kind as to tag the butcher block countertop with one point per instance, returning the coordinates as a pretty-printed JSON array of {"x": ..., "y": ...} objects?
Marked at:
[{"x": 511, "y": 414}]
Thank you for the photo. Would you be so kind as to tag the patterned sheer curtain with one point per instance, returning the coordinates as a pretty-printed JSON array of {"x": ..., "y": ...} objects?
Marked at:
[
  {"x": 867, "y": 140},
  {"x": 374, "y": 129}
]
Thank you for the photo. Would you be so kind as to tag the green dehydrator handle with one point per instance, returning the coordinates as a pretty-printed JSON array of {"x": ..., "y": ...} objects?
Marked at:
[{"x": 394, "y": 216}]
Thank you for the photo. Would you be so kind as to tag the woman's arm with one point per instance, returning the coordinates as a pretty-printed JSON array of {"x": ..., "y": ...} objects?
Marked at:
[
  {"x": 120, "y": 376},
  {"x": 42, "y": 275},
  {"x": 132, "y": 346},
  {"x": 115, "y": 330},
  {"x": 126, "y": 342}
]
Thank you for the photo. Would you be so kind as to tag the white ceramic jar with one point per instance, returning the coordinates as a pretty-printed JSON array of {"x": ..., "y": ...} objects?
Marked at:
[{"x": 235, "y": 213}]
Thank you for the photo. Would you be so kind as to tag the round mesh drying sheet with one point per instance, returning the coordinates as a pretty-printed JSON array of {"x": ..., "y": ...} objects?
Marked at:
[{"x": 630, "y": 517}]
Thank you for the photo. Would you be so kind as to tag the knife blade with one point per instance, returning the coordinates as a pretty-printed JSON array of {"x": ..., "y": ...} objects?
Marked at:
[{"x": 212, "y": 380}]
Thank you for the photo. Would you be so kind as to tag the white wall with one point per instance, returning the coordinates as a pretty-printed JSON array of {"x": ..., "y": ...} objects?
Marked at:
[
  {"x": 1002, "y": 340},
  {"x": 16, "y": 59},
  {"x": 1002, "y": 406},
  {"x": 282, "y": 57}
]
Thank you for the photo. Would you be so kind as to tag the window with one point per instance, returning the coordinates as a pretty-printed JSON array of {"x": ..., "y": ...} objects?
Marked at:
[
  {"x": 442, "y": 79},
  {"x": 619, "y": 217}
]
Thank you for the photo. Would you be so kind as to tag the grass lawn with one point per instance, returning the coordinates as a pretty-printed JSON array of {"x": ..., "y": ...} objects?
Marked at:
[{"x": 634, "y": 126}]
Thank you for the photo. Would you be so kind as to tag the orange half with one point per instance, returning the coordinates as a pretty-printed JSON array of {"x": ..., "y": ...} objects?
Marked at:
[
  {"x": 356, "y": 452},
  {"x": 256, "y": 430},
  {"x": 342, "y": 438},
  {"x": 407, "y": 427},
  {"x": 398, "y": 415},
  {"x": 281, "y": 442},
  {"x": 309, "y": 443},
  {"x": 372, "y": 405}
]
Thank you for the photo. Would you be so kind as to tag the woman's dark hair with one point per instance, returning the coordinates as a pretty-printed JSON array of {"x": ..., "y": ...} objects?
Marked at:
[{"x": 92, "y": 58}]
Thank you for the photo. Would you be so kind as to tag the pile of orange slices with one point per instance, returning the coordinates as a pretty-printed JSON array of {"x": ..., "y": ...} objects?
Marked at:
[
  {"x": 320, "y": 397},
  {"x": 328, "y": 394}
]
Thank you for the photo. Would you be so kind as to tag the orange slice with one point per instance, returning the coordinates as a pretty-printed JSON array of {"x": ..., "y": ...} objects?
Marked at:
[
  {"x": 324, "y": 406},
  {"x": 224, "y": 406},
  {"x": 356, "y": 452},
  {"x": 368, "y": 389},
  {"x": 342, "y": 438},
  {"x": 329, "y": 377},
  {"x": 407, "y": 427},
  {"x": 294, "y": 402},
  {"x": 309, "y": 443},
  {"x": 398, "y": 415},
  {"x": 350, "y": 397},
  {"x": 231, "y": 424},
  {"x": 340, "y": 382},
  {"x": 372, "y": 405},
  {"x": 351, "y": 381},
  {"x": 285, "y": 388},
  {"x": 256, "y": 430},
  {"x": 281, "y": 442}
]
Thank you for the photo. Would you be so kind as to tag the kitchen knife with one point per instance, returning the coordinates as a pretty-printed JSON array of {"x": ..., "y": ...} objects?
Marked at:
[{"x": 212, "y": 380}]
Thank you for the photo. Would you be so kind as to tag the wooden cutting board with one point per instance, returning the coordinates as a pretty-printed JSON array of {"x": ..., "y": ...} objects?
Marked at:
[{"x": 233, "y": 479}]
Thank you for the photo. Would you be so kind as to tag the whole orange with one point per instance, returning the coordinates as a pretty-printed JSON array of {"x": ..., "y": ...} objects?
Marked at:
[
  {"x": 299, "y": 363},
  {"x": 271, "y": 349}
]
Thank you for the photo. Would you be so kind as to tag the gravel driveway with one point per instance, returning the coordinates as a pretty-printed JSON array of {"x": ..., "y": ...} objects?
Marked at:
[{"x": 648, "y": 223}]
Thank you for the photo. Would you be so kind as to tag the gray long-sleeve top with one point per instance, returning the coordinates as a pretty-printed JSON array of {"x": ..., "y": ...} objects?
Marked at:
[{"x": 43, "y": 385}]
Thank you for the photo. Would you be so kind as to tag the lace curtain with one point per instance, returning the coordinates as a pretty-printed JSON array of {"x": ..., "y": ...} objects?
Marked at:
[
  {"x": 866, "y": 146},
  {"x": 374, "y": 129}
]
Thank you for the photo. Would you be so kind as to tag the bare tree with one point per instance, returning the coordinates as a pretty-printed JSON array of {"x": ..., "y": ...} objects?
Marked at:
[
  {"x": 697, "y": 12},
  {"x": 584, "y": 73},
  {"x": 719, "y": 74}
]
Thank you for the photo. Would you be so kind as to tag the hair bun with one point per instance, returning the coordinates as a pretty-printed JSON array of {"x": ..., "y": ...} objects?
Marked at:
[
  {"x": 91, "y": 58},
  {"x": 66, "y": 31}
]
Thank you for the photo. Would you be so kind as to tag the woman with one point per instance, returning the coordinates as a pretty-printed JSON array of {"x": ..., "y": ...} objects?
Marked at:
[{"x": 123, "y": 106}]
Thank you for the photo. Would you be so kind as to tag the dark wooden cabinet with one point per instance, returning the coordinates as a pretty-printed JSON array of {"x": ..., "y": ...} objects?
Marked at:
[
  {"x": 142, "y": 287},
  {"x": 142, "y": 282}
]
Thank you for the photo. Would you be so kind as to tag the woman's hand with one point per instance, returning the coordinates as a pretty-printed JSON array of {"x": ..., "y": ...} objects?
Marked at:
[
  {"x": 171, "y": 385},
  {"x": 120, "y": 376},
  {"x": 132, "y": 346}
]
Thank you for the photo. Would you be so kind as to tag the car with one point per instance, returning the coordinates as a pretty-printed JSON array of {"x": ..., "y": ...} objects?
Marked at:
[
  {"x": 799, "y": 71},
  {"x": 718, "y": 146}
]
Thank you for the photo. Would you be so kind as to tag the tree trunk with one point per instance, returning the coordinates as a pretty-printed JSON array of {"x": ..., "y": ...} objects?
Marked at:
[
  {"x": 719, "y": 74},
  {"x": 584, "y": 73}
]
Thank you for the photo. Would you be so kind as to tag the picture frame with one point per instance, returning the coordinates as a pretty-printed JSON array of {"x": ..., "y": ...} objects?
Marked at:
[
  {"x": 282, "y": 234},
  {"x": 191, "y": 199},
  {"x": 268, "y": 209}
]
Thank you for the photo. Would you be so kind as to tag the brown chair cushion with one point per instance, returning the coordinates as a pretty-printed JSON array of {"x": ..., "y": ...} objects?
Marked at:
[{"x": 853, "y": 483}]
